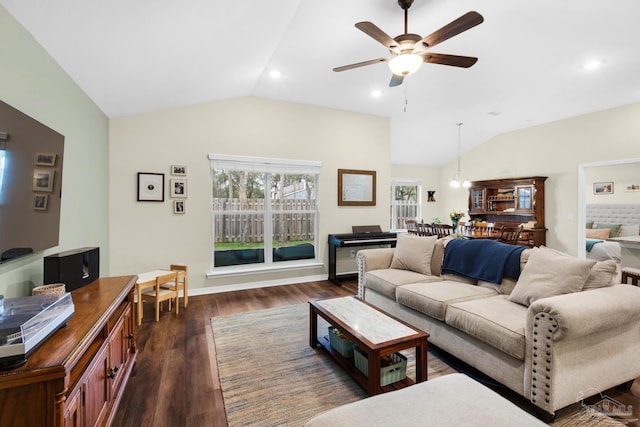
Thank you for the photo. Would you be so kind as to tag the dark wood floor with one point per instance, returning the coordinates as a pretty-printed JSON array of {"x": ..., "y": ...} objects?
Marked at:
[
  {"x": 175, "y": 383},
  {"x": 172, "y": 384}
]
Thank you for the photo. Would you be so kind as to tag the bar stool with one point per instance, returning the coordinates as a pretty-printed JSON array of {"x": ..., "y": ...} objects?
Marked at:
[{"x": 631, "y": 273}]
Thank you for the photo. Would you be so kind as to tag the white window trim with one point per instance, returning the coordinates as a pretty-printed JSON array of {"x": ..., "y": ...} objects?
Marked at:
[
  {"x": 404, "y": 181},
  {"x": 269, "y": 165}
]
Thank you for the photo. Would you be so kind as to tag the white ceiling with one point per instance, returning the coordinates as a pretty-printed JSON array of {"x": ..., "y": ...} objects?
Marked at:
[{"x": 133, "y": 56}]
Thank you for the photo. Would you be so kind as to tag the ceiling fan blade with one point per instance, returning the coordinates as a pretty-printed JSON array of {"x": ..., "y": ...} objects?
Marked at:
[
  {"x": 453, "y": 60},
  {"x": 373, "y": 31},
  {"x": 465, "y": 22},
  {"x": 360, "y": 64},
  {"x": 396, "y": 80}
]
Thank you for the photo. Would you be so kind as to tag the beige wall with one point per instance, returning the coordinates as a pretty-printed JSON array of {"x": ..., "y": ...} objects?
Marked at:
[
  {"x": 32, "y": 82},
  {"x": 554, "y": 150},
  {"x": 620, "y": 175},
  {"x": 146, "y": 235},
  {"x": 430, "y": 177}
]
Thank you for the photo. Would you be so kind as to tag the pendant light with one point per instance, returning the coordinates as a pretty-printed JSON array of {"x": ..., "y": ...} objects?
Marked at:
[{"x": 455, "y": 182}]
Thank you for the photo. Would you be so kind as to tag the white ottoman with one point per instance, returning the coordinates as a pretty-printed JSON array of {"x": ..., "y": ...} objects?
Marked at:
[{"x": 450, "y": 400}]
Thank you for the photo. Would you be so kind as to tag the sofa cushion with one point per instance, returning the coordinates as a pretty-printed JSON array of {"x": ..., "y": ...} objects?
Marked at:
[
  {"x": 433, "y": 298},
  {"x": 548, "y": 273},
  {"x": 603, "y": 274},
  {"x": 413, "y": 253},
  {"x": 494, "y": 320},
  {"x": 386, "y": 280},
  {"x": 438, "y": 254}
]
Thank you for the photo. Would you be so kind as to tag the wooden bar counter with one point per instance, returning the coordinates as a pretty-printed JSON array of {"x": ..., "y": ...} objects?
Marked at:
[{"x": 76, "y": 376}]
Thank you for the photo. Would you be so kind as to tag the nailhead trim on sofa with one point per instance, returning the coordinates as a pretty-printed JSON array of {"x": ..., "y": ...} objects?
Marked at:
[{"x": 543, "y": 328}]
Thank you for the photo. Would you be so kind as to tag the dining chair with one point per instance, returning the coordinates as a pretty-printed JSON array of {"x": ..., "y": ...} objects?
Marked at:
[
  {"x": 411, "y": 225},
  {"x": 158, "y": 294},
  {"x": 442, "y": 230},
  {"x": 181, "y": 283},
  {"x": 424, "y": 229},
  {"x": 510, "y": 235}
]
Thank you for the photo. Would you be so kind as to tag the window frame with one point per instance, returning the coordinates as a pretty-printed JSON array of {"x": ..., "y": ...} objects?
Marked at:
[
  {"x": 269, "y": 166},
  {"x": 396, "y": 182}
]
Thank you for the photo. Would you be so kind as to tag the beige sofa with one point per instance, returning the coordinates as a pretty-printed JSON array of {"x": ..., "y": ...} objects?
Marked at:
[{"x": 560, "y": 332}]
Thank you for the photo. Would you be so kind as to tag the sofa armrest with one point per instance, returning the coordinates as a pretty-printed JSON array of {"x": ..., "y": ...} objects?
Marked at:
[
  {"x": 372, "y": 259},
  {"x": 583, "y": 313},
  {"x": 580, "y": 344}
]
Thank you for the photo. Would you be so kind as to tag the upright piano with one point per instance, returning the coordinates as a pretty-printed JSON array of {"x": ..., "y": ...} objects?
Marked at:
[{"x": 358, "y": 238}]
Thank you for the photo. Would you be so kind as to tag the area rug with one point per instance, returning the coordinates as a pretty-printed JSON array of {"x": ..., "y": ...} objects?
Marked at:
[{"x": 269, "y": 375}]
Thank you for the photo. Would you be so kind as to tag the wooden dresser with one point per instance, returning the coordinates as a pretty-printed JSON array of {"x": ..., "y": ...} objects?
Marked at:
[{"x": 77, "y": 376}]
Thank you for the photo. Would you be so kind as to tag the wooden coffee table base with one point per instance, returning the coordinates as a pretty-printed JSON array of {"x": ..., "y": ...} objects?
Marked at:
[{"x": 415, "y": 339}]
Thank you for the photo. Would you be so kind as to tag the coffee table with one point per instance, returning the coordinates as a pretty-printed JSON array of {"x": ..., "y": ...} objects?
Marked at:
[{"x": 374, "y": 332}]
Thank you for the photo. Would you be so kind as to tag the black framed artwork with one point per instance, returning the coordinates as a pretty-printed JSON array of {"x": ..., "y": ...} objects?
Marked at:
[{"x": 150, "y": 187}]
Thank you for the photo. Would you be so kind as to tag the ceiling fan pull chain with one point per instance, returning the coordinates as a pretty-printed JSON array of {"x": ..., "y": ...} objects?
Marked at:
[{"x": 406, "y": 100}]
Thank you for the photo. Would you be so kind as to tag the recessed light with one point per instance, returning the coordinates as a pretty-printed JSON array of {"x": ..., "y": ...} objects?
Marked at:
[
  {"x": 275, "y": 74},
  {"x": 376, "y": 93},
  {"x": 592, "y": 65}
]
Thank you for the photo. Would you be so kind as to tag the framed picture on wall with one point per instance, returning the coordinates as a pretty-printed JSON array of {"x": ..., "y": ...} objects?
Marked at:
[
  {"x": 631, "y": 187},
  {"x": 43, "y": 180},
  {"x": 40, "y": 202},
  {"x": 179, "y": 188},
  {"x": 178, "y": 170},
  {"x": 356, "y": 187},
  {"x": 150, "y": 187},
  {"x": 603, "y": 187},
  {"x": 45, "y": 159},
  {"x": 179, "y": 206}
]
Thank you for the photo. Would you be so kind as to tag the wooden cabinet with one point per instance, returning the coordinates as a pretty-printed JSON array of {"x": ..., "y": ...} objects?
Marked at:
[
  {"x": 76, "y": 377},
  {"x": 511, "y": 202}
]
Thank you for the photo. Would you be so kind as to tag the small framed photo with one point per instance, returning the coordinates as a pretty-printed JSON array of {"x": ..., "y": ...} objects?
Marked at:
[
  {"x": 178, "y": 170},
  {"x": 46, "y": 159},
  {"x": 631, "y": 187},
  {"x": 150, "y": 187},
  {"x": 40, "y": 202},
  {"x": 43, "y": 180},
  {"x": 179, "y": 206},
  {"x": 179, "y": 188},
  {"x": 603, "y": 187}
]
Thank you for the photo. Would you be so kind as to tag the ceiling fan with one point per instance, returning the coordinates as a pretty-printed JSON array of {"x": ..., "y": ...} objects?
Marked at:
[{"x": 409, "y": 51}]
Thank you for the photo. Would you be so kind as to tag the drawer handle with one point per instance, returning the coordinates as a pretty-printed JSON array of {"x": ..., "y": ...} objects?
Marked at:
[
  {"x": 129, "y": 336},
  {"x": 112, "y": 374}
]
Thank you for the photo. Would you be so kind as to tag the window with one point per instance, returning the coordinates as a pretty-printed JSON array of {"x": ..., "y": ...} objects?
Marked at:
[
  {"x": 264, "y": 211},
  {"x": 406, "y": 202}
]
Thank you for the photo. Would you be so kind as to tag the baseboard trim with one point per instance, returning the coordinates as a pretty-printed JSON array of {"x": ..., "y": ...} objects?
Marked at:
[{"x": 255, "y": 285}]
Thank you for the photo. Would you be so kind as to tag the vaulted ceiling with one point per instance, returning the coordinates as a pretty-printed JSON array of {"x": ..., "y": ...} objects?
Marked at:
[{"x": 146, "y": 55}]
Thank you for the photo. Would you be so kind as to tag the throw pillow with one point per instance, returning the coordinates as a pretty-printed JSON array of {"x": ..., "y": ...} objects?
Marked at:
[
  {"x": 413, "y": 253},
  {"x": 598, "y": 233},
  {"x": 603, "y": 274},
  {"x": 629, "y": 230},
  {"x": 549, "y": 273},
  {"x": 590, "y": 224},
  {"x": 615, "y": 228}
]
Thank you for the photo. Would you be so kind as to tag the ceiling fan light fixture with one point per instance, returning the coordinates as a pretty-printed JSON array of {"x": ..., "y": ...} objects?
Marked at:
[{"x": 405, "y": 64}]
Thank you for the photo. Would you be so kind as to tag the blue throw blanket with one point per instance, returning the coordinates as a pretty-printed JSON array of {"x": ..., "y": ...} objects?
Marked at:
[
  {"x": 482, "y": 259},
  {"x": 591, "y": 243}
]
